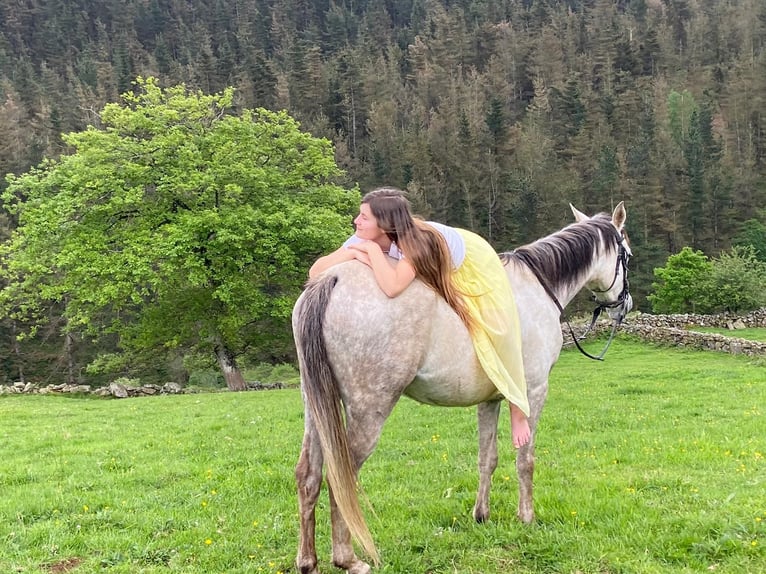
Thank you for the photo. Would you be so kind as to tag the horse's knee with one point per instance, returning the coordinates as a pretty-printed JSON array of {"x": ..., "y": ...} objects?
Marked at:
[
  {"x": 525, "y": 462},
  {"x": 488, "y": 463}
]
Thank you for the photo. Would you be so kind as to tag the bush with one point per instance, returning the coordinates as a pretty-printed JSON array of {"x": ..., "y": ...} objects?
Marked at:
[
  {"x": 265, "y": 373},
  {"x": 753, "y": 233},
  {"x": 736, "y": 283},
  {"x": 691, "y": 283},
  {"x": 678, "y": 288},
  {"x": 206, "y": 378}
]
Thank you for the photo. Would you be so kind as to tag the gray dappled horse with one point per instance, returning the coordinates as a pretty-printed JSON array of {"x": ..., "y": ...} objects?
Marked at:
[{"x": 360, "y": 351}]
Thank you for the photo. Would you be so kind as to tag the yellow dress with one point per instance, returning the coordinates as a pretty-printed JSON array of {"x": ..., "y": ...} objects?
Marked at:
[{"x": 497, "y": 333}]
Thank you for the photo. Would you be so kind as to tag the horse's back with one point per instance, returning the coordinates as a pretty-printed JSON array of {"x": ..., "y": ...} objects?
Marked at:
[
  {"x": 372, "y": 339},
  {"x": 413, "y": 343}
]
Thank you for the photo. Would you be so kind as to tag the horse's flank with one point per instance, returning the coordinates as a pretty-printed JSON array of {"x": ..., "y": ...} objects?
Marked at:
[{"x": 415, "y": 337}]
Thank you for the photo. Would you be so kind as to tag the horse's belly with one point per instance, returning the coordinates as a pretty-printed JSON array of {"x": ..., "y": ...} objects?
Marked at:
[
  {"x": 455, "y": 389},
  {"x": 449, "y": 373}
]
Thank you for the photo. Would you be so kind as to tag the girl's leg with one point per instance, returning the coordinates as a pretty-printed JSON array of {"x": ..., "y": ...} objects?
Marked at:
[{"x": 519, "y": 427}]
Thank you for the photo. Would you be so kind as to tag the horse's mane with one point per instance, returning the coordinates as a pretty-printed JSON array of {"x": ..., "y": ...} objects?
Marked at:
[{"x": 565, "y": 256}]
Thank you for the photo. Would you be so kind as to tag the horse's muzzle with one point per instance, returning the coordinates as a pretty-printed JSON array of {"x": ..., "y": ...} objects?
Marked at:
[{"x": 618, "y": 312}]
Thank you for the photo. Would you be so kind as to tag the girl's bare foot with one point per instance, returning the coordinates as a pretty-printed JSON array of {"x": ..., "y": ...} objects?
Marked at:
[{"x": 519, "y": 427}]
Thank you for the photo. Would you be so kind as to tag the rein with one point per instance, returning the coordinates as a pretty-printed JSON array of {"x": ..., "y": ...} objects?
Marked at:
[{"x": 622, "y": 258}]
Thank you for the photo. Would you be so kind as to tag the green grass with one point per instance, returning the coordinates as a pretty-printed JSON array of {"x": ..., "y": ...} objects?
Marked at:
[
  {"x": 751, "y": 334},
  {"x": 649, "y": 462}
]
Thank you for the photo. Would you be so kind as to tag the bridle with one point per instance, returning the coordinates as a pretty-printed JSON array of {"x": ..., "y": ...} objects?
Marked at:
[{"x": 623, "y": 257}]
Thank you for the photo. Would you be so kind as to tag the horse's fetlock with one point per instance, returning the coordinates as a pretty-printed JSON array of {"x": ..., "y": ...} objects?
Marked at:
[
  {"x": 351, "y": 564},
  {"x": 307, "y": 567}
]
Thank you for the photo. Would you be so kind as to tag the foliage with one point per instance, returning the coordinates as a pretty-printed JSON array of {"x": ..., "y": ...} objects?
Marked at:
[
  {"x": 753, "y": 233},
  {"x": 206, "y": 379},
  {"x": 643, "y": 465},
  {"x": 678, "y": 287},
  {"x": 175, "y": 223},
  {"x": 736, "y": 283},
  {"x": 634, "y": 99},
  {"x": 285, "y": 373},
  {"x": 691, "y": 283}
]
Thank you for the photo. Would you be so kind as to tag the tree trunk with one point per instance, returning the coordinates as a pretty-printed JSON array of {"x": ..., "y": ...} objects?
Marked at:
[
  {"x": 231, "y": 373},
  {"x": 71, "y": 367},
  {"x": 17, "y": 352}
]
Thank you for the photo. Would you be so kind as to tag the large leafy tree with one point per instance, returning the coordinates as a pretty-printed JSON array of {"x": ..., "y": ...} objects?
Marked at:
[
  {"x": 176, "y": 223},
  {"x": 677, "y": 289}
]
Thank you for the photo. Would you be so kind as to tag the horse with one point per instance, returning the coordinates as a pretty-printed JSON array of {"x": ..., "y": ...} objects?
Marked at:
[{"x": 360, "y": 351}]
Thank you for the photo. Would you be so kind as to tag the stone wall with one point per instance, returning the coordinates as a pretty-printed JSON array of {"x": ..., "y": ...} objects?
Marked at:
[
  {"x": 116, "y": 390},
  {"x": 682, "y": 321},
  {"x": 675, "y": 330}
]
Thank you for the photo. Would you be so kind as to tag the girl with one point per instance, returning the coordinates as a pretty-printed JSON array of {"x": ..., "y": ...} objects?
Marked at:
[{"x": 457, "y": 264}]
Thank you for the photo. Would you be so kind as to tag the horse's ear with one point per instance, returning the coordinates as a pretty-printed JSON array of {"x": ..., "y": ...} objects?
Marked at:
[
  {"x": 579, "y": 215},
  {"x": 619, "y": 215}
]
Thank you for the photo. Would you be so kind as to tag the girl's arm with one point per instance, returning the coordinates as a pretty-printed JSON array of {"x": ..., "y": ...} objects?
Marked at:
[
  {"x": 392, "y": 279},
  {"x": 338, "y": 256}
]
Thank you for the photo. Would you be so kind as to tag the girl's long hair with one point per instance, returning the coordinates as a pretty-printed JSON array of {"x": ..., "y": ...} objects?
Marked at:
[{"x": 423, "y": 246}]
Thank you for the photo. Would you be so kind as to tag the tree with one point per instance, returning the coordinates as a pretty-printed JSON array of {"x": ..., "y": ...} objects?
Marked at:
[
  {"x": 753, "y": 233},
  {"x": 176, "y": 225},
  {"x": 679, "y": 287},
  {"x": 736, "y": 282}
]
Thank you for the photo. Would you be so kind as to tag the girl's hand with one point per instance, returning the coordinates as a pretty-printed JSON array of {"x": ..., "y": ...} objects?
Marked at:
[
  {"x": 366, "y": 247},
  {"x": 361, "y": 256},
  {"x": 392, "y": 279},
  {"x": 363, "y": 251}
]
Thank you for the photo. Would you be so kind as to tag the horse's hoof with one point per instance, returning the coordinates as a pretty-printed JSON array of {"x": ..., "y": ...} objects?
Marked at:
[
  {"x": 307, "y": 569},
  {"x": 359, "y": 567},
  {"x": 526, "y": 517},
  {"x": 480, "y": 514}
]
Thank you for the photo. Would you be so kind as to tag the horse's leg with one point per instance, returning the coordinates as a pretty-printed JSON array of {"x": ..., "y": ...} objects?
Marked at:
[
  {"x": 364, "y": 430},
  {"x": 488, "y": 415},
  {"x": 525, "y": 458},
  {"x": 308, "y": 475},
  {"x": 343, "y": 555}
]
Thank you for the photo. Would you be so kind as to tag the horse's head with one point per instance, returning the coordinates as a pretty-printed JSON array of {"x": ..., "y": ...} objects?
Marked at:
[{"x": 609, "y": 283}]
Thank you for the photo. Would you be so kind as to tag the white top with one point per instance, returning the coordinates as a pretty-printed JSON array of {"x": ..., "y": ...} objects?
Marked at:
[{"x": 454, "y": 241}]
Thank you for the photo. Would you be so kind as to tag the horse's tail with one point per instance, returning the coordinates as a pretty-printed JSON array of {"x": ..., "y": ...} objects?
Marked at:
[{"x": 324, "y": 402}]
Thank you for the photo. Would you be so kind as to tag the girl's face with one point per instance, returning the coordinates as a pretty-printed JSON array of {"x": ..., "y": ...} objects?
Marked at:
[{"x": 367, "y": 226}]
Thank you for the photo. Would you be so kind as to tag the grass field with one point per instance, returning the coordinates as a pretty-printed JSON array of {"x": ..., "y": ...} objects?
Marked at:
[{"x": 650, "y": 462}]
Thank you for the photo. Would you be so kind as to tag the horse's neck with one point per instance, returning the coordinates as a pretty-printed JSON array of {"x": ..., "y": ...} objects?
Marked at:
[
  {"x": 565, "y": 293},
  {"x": 567, "y": 290}
]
